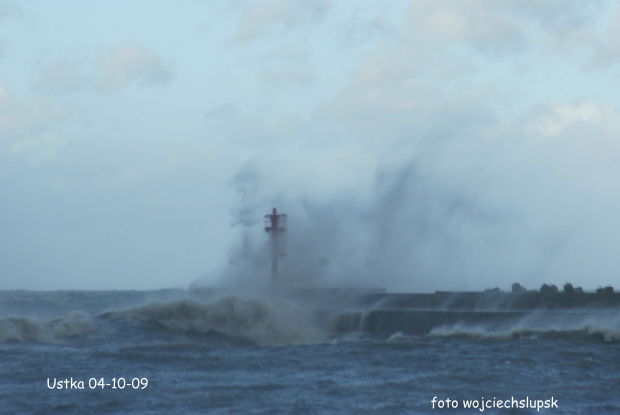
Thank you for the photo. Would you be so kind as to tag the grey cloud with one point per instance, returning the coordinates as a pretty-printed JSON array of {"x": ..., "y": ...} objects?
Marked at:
[
  {"x": 21, "y": 119},
  {"x": 9, "y": 10},
  {"x": 111, "y": 72},
  {"x": 223, "y": 112},
  {"x": 131, "y": 62},
  {"x": 261, "y": 17},
  {"x": 287, "y": 64},
  {"x": 559, "y": 17},
  {"x": 293, "y": 53},
  {"x": 299, "y": 75},
  {"x": 608, "y": 48},
  {"x": 480, "y": 23},
  {"x": 503, "y": 28},
  {"x": 360, "y": 30},
  {"x": 62, "y": 76}
]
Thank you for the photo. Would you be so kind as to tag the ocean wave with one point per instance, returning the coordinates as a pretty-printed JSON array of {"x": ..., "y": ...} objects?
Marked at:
[
  {"x": 55, "y": 331},
  {"x": 606, "y": 326},
  {"x": 264, "y": 322}
]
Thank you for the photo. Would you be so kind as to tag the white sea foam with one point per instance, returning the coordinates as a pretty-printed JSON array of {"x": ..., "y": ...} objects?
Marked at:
[
  {"x": 606, "y": 324},
  {"x": 397, "y": 337}
]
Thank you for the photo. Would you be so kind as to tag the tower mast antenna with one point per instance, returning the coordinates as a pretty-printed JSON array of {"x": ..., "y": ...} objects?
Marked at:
[{"x": 275, "y": 225}]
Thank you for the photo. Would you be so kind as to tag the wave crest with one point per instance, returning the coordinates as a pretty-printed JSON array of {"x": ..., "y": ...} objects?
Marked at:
[
  {"x": 264, "y": 322},
  {"x": 16, "y": 329}
]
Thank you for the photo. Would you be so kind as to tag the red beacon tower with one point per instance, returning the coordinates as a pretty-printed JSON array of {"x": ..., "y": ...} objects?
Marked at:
[{"x": 275, "y": 225}]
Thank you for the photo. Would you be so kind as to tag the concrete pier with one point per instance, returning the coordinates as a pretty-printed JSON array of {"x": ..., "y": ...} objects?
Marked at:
[{"x": 419, "y": 314}]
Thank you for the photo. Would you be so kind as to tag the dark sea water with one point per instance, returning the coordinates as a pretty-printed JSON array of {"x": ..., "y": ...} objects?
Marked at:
[{"x": 165, "y": 352}]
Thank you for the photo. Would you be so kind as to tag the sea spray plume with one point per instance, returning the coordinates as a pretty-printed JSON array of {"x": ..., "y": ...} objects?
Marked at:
[
  {"x": 415, "y": 228},
  {"x": 246, "y": 184},
  {"x": 409, "y": 232},
  {"x": 468, "y": 211},
  {"x": 247, "y": 266},
  {"x": 264, "y": 321}
]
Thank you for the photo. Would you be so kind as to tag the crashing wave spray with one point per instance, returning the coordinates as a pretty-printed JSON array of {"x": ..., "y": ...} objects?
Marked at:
[
  {"x": 15, "y": 329},
  {"x": 263, "y": 322}
]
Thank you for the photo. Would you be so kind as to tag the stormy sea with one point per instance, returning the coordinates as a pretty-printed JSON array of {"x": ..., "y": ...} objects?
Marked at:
[{"x": 170, "y": 351}]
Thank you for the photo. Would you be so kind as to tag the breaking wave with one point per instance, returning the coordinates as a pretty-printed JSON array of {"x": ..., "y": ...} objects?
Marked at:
[
  {"x": 14, "y": 329},
  {"x": 264, "y": 322},
  {"x": 536, "y": 325}
]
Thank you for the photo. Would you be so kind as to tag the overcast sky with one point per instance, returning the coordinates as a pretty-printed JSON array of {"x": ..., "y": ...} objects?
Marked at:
[{"x": 420, "y": 145}]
